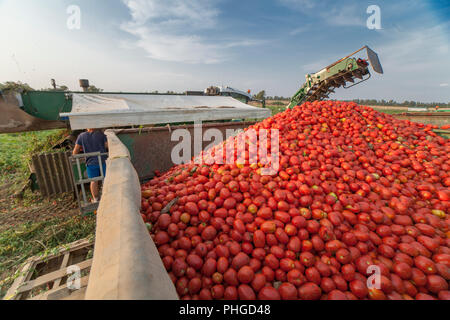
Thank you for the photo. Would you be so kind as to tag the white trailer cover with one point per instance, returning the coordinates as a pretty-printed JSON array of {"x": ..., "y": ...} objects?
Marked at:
[{"x": 120, "y": 110}]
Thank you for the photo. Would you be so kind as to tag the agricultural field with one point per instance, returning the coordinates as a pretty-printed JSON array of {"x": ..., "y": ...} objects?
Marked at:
[
  {"x": 32, "y": 238},
  {"x": 29, "y": 223},
  {"x": 16, "y": 150}
]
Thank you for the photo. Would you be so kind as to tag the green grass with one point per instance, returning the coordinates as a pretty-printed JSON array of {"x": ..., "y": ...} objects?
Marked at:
[
  {"x": 29, "y": 239},
  {"x": 277, "y": 108},
  {"x": 16, "y": 150},
  {"x": 390, "y": 111}
]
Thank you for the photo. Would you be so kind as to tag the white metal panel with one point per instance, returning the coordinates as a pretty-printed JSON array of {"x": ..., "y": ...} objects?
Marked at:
[
  {"x": 97, "y": 103},
  {"x": 117, "y": 110},
  {"x": 120, "y": 119}
]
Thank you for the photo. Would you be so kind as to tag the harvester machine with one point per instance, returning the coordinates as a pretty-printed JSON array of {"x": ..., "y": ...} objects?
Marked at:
[{"x": 346, "y": 72}]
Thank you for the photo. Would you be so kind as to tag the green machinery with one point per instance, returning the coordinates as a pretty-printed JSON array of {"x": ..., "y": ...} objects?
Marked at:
[{"x": 320, "y": 85}]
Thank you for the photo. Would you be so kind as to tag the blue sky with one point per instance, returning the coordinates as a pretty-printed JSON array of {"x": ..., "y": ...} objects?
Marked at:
[{"x": 146, "y": 45}]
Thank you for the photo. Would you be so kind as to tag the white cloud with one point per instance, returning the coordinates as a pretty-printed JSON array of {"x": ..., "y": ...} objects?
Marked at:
[
  {"x": 298, "y": 30},
  {"x": 299, "y": 4},
  {"x": 170, "y": 13},
  {"x": 174, "y": 30},
  {"x": 344, "y": 16},
  {"x": 420, "y": 51},
  {"x": 339, "y": 14},
  {"x": 443, "y": 85},
  {"x": 410, "y": 59}
]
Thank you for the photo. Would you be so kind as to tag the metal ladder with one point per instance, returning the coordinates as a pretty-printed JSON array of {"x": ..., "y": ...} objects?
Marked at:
[{"x": 83, "y": 203}]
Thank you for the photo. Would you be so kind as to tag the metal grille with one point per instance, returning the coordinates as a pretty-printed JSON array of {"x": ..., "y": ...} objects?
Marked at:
[
  {"x": 53, "y": 173},
  {"x": 79, "y": 180}
]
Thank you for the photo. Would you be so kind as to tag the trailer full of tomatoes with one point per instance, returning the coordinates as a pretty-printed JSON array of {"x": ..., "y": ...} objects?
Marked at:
[{"x": 359, "y": 209}]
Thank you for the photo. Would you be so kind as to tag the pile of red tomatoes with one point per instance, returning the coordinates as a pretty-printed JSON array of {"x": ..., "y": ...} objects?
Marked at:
[{"x": 359, "y": 209}]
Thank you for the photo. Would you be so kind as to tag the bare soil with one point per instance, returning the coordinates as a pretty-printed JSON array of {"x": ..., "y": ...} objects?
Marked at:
[
  {"x": 390, "y": 108},
  {"x": 33, "y": 208}
]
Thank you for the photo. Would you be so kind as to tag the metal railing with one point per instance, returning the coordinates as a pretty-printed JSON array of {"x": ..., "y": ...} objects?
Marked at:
[{"x": 83, "y": 203}]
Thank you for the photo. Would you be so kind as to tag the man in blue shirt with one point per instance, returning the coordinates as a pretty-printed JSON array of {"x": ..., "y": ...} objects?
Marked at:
[{"x": 92, "y": 141}]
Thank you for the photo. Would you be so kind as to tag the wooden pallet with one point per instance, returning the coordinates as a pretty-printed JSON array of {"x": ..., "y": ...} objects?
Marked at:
[{"x": 45, "y": 277}]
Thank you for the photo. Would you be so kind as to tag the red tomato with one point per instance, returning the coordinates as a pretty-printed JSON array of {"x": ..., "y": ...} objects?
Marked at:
[
  {"x": 269, "y": 293},
  {"x": 309, "y": 291},
  {"x": 245, "y": 292},
  {"x": 287, "y": 291},
  {"x": 245, "y": 274}
]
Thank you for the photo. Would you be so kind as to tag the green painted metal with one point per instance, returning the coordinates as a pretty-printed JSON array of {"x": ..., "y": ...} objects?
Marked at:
[
  {"x": 443, "y": 133},
  {"x": 300, "y": 95},
  {"x": 129, "y": 141},
  {"x": 46, "y": 105},
  {"x": 83, "y": 171},
  {"x": 346, "y": 65}
]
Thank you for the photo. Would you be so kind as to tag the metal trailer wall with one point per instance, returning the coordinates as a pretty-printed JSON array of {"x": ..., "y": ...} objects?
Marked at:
[{"x": 150, "y": 148}]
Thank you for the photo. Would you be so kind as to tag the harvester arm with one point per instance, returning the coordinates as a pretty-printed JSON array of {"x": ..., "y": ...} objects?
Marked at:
[{"x": 321, "y": 84}]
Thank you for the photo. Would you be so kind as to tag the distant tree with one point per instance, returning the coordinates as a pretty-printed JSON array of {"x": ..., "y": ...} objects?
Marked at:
[
  {"x": 94, "y": 89},
  {"x": 15, "y": 86},
  {"x": 260, "y": 95}
]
